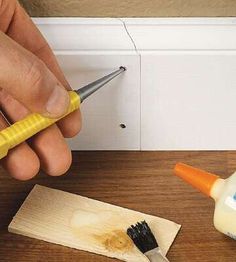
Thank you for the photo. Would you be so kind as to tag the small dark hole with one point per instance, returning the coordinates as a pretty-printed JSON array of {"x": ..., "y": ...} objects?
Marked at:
[{"x": 122, "y": 125}]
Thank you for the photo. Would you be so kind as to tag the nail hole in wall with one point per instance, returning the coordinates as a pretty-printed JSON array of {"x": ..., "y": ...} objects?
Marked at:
[{"x": 122, "y": 126}]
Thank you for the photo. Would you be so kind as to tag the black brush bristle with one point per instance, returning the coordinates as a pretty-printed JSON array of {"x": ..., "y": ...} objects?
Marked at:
[{"x": 142, "y": 237}]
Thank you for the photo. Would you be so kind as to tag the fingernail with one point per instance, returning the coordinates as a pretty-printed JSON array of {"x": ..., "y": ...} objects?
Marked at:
[{"x": 58, "y": 102}]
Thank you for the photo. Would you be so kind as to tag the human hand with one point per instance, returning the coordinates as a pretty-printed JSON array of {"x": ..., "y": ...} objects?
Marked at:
[{"x": 32, "y": 81}]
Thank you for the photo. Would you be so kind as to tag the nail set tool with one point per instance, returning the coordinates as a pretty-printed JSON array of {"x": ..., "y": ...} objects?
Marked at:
[{"x": 34, "y": 123}]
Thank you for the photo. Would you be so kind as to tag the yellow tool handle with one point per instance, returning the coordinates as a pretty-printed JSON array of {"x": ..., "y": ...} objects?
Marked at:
[{"x": 30, "y": 125}]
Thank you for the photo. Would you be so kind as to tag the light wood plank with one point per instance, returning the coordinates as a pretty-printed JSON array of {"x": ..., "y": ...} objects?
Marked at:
[{"x": 82, "y": 223}]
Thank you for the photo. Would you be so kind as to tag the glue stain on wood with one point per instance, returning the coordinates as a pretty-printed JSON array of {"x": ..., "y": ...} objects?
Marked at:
[
  {"x": 116, "y": 241},
  {"x": 106, "y": 229}
]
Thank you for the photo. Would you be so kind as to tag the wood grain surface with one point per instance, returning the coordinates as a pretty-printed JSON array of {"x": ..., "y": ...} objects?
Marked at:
[
  {"x": 142, "y": 181},
  {"x": 86, "y": 224},
  {"x": 130, "y": 8}
]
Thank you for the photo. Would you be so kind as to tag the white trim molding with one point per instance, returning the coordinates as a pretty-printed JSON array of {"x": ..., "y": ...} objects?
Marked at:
[
  {"x": 82, "y": 34},
  {"x": 179, "y": 91},
  {"x": 147, "y": 33}
]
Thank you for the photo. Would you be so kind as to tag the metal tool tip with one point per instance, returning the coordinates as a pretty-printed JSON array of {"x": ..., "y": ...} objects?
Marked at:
[{"x": 123, "y": 67}]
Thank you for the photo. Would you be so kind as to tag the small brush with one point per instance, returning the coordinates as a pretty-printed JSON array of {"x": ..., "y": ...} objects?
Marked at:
[{"x": 145, "y": 241}]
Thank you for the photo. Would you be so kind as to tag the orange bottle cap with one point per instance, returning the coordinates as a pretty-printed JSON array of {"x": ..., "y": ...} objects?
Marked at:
[{"x": 198, "y": 178}]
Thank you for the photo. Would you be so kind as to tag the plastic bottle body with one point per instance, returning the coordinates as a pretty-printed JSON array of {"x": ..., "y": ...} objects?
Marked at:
[
  {"x": 224, "y": 194},
  {"x": 223, "y": 191}
]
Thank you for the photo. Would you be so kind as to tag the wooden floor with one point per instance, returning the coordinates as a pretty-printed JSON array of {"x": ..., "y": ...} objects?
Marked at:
[{"x": 141, "y": 181}]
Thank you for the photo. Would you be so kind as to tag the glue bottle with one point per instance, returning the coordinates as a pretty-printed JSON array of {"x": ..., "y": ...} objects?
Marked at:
[{"x": 223, "y": 191}]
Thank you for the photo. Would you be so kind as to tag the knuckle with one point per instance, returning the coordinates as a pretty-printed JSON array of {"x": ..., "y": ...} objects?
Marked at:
[
  {"x": 35, "y": 73},
  {"x": 35, "y": 80}
]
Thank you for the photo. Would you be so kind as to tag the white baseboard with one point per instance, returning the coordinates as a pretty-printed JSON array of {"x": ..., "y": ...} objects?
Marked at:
[{"x": 178, "y": 93}]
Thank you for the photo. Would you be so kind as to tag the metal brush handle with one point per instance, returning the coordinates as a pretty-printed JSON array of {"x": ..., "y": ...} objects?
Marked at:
[{"x": 155, "y": 255}]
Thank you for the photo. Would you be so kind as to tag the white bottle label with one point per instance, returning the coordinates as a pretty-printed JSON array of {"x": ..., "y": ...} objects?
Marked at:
[{"x": 231, "y": 201}]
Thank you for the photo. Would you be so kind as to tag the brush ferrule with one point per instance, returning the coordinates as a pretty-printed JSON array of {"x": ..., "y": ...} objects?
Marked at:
[{"x": 155, "y": 255}]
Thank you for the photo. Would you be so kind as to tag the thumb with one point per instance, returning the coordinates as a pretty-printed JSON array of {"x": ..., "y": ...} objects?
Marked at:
[{"x": 28, "y": 80}]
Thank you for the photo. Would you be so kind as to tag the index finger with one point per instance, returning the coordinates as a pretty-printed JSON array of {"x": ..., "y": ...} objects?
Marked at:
[{"x": 17, "y": 24}]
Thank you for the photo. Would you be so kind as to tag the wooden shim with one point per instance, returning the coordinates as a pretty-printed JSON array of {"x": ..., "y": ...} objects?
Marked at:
[{"x": 86, "y": 224}]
